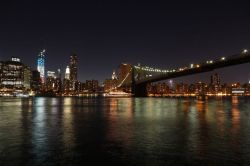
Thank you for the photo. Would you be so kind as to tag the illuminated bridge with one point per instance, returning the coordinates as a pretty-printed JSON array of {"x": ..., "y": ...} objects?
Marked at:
[{"x": 139, "y": 76}]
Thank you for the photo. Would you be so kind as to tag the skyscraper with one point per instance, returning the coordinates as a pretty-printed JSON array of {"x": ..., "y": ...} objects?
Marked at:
[
  {"x": 40, "y": 65},
  {"x": 73, "y": 68},
  {"x": 15, "y": 75},
  {"x": 215, "y": 83},
  {"x": 59, "y": 73},
  {"x": 67, "y": 73},
  {"x": 50, "y": 81},
  {"x": 35, "y": 80},
  {"x": 215, "y": 79}
]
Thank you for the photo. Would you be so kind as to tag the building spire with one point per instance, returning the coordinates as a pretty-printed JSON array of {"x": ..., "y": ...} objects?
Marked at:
[{"x": 114, "y": 77}]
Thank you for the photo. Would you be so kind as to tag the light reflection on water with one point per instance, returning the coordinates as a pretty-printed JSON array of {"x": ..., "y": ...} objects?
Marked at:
[{"x": 124, "y": 131}]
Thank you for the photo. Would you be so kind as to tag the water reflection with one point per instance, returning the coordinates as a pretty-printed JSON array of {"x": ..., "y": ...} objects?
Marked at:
[
  {"x": 235, "y": 128},
  {"x": 203, "y": 130},
  {"x": 68, "y": 130},
  {"x": 39, "y": 135},
  {"x": 124, "y": 131},
  {"x": 119, "y": 118}
]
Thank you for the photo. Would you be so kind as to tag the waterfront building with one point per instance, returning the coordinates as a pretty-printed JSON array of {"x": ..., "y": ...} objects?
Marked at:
[
  {"x": 110, "y": 84},
  {"x": 201, "y": 88},
  {"x": 58, "y": 86},
  {"x": 162, "y": 88},
  {"x": 181, "y": 88},
  {"x": 78, "y": 87},
  {"x": 151, "y": 88},
  {"x": 51, "y": 81},
  {"x": 35, "y": 80},
  {"x": 225, "y": 89},
  {"x": 238, "y": 91},
  {"x": 41, "y": 65},
  {"x": 58, "y": 82},
  {"x": 191, "y": 88},
  {"x": 66, "y": 86},
  {"x": 215, "y": 83},
  {"x": 83, "y": 87},
  {"x": 27, "y": 77},
  {"x": 92, "y": 85},
  {"x": 14, "y": 75}
]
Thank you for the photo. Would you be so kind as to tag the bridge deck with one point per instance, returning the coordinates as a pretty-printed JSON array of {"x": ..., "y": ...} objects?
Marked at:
[{"x": 203, "y": 67}]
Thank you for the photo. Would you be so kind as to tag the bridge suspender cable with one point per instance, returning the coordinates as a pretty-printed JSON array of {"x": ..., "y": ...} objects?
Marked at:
[{"x": 124, "y": 79}]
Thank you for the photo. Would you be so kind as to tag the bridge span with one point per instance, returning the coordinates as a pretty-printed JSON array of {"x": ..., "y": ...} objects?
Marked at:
[{"x": 142, "y": 75}]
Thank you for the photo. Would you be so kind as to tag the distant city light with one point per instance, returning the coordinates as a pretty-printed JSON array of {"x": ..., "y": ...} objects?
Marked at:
[
  {"x": 51, "y": 74},
  {"x": 245, "y": 51},
  {"x": 15, "y": 59},
  {"x": 210, "y": 62}
]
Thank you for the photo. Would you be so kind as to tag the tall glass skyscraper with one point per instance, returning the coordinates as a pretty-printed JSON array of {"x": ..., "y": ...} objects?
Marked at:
[
  {"x": 40, "y": 65},
  {"x": 73, "y": 72},
  {"x": 67, "y": 73},
  {"x": 73, "y": 67}
]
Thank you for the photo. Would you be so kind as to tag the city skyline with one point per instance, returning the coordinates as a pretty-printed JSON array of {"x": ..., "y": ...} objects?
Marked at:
[
  {"x": 72, "y": 60},
  {"x": 106, "y": 34}
]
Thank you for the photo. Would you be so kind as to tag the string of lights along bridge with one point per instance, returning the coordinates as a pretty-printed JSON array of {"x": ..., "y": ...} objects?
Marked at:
[
  {"x": 139, "y": 76},
  {"x": 209, "y": 64},
  {"x": 157, "y": 70}
]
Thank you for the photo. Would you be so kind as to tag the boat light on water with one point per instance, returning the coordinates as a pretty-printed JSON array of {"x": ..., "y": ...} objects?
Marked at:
[{"x": 117, "y": 94}]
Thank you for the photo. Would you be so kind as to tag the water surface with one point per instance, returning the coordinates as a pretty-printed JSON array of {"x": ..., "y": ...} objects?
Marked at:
[{"x": 124, "y": 131}]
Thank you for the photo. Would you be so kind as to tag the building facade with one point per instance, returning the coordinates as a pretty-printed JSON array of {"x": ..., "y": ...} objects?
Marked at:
[
  {"x": 73, "y": 67},
  {"x": 35, "y": 80},
  {"x": 14, "y": 75},
  {"x": 215, "y": 86},
  {"x": 41, "y": 65},
  {"x": 67, "y": 73},
  {"x": 73, "y": 72},
  {"x": 92, "y": 85}
]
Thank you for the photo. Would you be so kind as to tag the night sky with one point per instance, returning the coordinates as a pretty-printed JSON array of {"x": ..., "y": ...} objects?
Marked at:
[{"x": 106, "y": 33}]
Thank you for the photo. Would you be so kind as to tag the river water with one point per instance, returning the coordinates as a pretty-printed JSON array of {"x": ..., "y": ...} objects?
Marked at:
[{"x": 124, "y": 131}]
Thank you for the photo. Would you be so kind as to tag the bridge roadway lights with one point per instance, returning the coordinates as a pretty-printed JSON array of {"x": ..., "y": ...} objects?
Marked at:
[{"x": 140, "y": 90}]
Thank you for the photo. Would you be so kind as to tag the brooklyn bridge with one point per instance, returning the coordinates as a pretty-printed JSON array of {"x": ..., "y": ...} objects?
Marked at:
[{"x": 136, "y": 77}]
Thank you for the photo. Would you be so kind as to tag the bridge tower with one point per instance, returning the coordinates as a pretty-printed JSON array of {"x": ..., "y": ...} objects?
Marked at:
[{"x": 139, "y": 90}]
